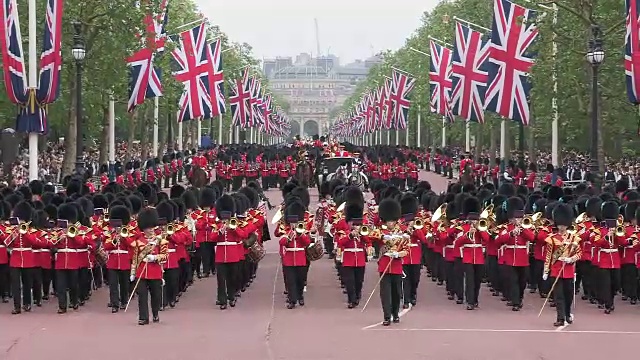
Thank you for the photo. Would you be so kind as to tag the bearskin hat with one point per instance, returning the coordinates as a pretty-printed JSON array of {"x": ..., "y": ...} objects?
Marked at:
[
  {"x": 630, "y": 210},
  {"x": 470, "y": 205},
  {"x": 389, "y": 210},
  {"x": 324, "y": 190},
  {"x": 252, "y": 195},
  {"x": 218, "y": 186},
  {"x": 409, "y": 204},
  {"x": 190, "y": 200},
  {"x": 294, "y": 212},
  {"x": 622, "y": 186},
  {"x": 225, "y": 206},
  {"x": 52, "y": 211},
  {"x": 37, "y": 187},
  {"x": 333, "y": 184},
  {"x": 530, "y": 202},
  {"x": 74, "y": 186},
  {"x": 554, "y": 193},
  {"x": 423, "y": 185},
  {"x": 23, "y": 211},
  {"x": 148, "y": 193},
  {"x": 515, "y": 207},
  {"x": 610, "y": 210},
  {"x": 287, "y": 188},
  {"x": 581, "y": 204},
  {"x": 563, "y": 215},
  {"x": 165, "y": 211},
  {"x": 120, "y": 213},
  {"x": 507, "y": 189},
  {"x": 353, "y": 195},
  {"x": 594, "y": 207},
  {"x": 539, "y": 205},
  {"x": 242, "y": 203},
  {"x": 176, "y": 191},
  {"x": 353, "y": 212},
  {"x": 207, "y": 197},
  {"x": 303, "y": 194},
  {"x": 162, "y": 196},
  {"x": 68, "y": 212},
  {"x": 148, "y": 219},
  {"x": 136, "y": 203},
  {"x": 631, "y": 196},
  {"x": 100, "y": 202},
  {"x": 390, "y": 192}
]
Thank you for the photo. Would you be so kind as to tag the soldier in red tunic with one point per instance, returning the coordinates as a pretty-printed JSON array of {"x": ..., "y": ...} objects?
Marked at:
[
  {"x": 150, "y": 251},
  {"x": 294, "y": 257},
  {"x": 356, "y": 251},
  {"x": 608, "y": 255},
  {"x": 204, "y": 236},
  {"x": 562, "y": 252},
  {"x": 117, "y": 240}
]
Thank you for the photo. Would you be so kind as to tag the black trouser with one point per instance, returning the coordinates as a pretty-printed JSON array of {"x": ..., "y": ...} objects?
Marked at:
[
  {"x": 411, "y": 182},
  {"x": 537, "y": 268},
  {"x": 207, "y": 255},
  {"x": 265, "y": 183},
  {"x": 36, "y": 285},
  {"x": 24, "y": 277},
  {"x": 227, "y": 280},
  {"x": 609, "y": 281},
  {"x": 629, "y": 274},
  {"x": 328, "y": 245},
  {"x": 439, "y": 268},
  {"x": 174, "y": 179},
  {"x": 504, "y": 275},
  {"x": 353, "y": 278},
  {"x": 411, "y": 281},
  {"x": 244, "y": 275},
  {"x": 563, "y": 295},
  {"x": 473, "y": 281},
  {"x": 4, "y": 280},
  {"x": 159, "y": 183},
  {"x": 390, "y": 293},
  {"x": 585, "y": 277},
  {"x": 294, "y": 282},
  {"x": 458, "y": 278},
  {"x": 196, "y": 261},
  {"x": 85, "y": 280},
  {"x": 118, "y": 287},
  {"x": 171, "y": 286},
  {"x": 146, "y": 287},
  {"x": 492, "y": 272},
  {"x": 282, "y": 181},
  {"x": 166, "y": 181},
  {"x": 518, "y": 282},
  {"x": 185, "y": 272},
  {"x": 236, "y": 183},
  {"x": 97, "y": 276},
  {"x": 67, "y": 280},
  {"x": 449, "y": 277},
  {"x": 180, "y": 172}
]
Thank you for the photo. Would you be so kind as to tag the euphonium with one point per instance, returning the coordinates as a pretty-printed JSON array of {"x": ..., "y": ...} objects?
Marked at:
[
  {"x": 300, "y": 228},
  {"x": 527, "y": 222},
  {"x": 233, "y": 223},
  {"x": 72, "y": 231},
  {"x": 487, "y": 212},
  {"x": 24, "y": 228},
  {"x": 364, "y": 230}
]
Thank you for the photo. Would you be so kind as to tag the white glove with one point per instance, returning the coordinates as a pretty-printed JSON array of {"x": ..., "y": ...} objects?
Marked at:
[
  {"x": 545, "y": 276},
  {"x": 389, "y": 254},
  {"x": 387, "y": 237},
  {"x": 395, "y": 254},
  {"x": 150, "y": 258},
  {"x": 568, "y": 260},
  {"x": 153, "y": 243},
  {"x": 132, "y": 278},
  {"x": 406, "y": 236},
  {"x": 369, "y": 258}
]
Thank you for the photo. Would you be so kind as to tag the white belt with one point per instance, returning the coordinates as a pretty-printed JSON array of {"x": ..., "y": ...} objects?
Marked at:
[
  {"x": 472, "y": 245},
  {"x": 171, "y": 250},
  {"x": 295, "y": 249},
  {"x": 449, "y": 246},
  {"x": 2, "y": 246},
  {"x": 82, "y": 250},
  {"x": 68, "y": 250},
  {"x": 609, "y": 251},
  {"x": 22, "y": 249},
  {"x": 227, "y": 243},
  {"x": 118, "y": 252},
  {"x": 516, "y": 246},
  {"x": 353, "y": 250},
  {"x": 40, "y": 250},
  {"x": 414, "y": 245}
]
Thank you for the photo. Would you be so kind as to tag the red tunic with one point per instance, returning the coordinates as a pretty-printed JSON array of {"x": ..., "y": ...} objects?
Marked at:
[
  {"x": 149, "y": 270},
  {"x": 562, "y": 246},
  {"x": 22, "y": 245},
  {"x": 229, "y": 247},
  {"x": 516, "y": 249},
  {"x": 471, "y": 246},
  {"x": 118, "y": 255},
  {"x": 293, "y": 249},
  {"x": 354, "y": 250},
  {"x": 607, "y": 255}
]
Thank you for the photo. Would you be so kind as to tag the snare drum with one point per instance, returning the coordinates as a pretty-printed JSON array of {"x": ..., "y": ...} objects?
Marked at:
[
  {"x": 101, "y": 256},
  {"x": 256, "y": 252},
  {"x": 315, "y": 251}
]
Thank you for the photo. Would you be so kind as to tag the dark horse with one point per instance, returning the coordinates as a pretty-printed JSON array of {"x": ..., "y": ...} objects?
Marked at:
[
  {"x": 467, "y": 176},
  {"x": 198, "y": 178},
  {"x": 304, "y": 175}
]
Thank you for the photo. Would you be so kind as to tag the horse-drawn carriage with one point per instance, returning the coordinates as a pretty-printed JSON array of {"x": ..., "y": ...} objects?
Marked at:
[{"x": 345, "y": 168}]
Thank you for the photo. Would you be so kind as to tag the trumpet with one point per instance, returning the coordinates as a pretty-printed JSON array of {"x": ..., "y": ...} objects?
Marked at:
[
  {"x": 620, "y": 231},
  {"x": 72, "y": 231},
  {"x": 233, "y": 223},
  {"x": 364, "y": 230},
  {"x": 483, "y": 224},
  {"x": 300, "y": 228},
  {"x": 24, "y": 228},
  {"x": 170, "y": 229},
  {"x": 620, "y": 220},
  {"x": 417, "y": 224},
  {"x": 527, "y": 222}
]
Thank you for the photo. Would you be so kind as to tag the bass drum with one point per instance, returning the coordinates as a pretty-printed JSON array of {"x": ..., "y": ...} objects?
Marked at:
[
  {"x": 256, "y": 253},
  {"x": 315, "y": 251}
]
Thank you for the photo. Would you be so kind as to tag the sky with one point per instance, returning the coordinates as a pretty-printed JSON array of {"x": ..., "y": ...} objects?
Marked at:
[{"x": 349, "y": 29}]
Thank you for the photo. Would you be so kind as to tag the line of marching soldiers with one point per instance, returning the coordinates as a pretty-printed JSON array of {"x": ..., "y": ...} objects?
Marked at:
[
  {"x": 556, "y": 241},
  {"x": 143, "y": 240}
]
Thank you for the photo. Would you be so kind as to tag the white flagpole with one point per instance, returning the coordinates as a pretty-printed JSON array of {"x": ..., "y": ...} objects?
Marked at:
[
  {"x": 199, "y": 142},
  {"x": 112, "y": 130},
  {"x": 156, "y": 109},
  {"x": 33, "y": 84},
  {"x": 467, "y": 143},
  {"x": 220, "y": 130},
  {"x": 418, "y": 128},
  {"x": 444, "y": 132},
  {"x": 554, "y": 101},
  {"x": 179, "y": 131}
]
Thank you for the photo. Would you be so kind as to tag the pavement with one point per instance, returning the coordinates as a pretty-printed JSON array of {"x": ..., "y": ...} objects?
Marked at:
[{"x": 260, "y": 327}]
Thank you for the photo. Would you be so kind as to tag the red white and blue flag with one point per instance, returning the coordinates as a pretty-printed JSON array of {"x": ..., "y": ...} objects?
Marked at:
[
  {"x": 387, "y": 115},
  {"x": 440, "y": 80},
  {"x": 216, "y": 78},
  {"x": 145, "y": 77},
  {"x": 510, "y": 61},
  {"x": 239, "y": 101},
  {"x": 400, "y": 103},
  {"x": 14, "y": 74},
  {"x": 469, "y": 74},
  {"x": 51, "y": 57},
  {"x": 192, "y": 70}
]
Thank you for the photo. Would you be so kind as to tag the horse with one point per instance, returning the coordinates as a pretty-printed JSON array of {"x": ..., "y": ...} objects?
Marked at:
[
  {"x": 304, "y": 174},
  {"x": 198, "y": 178}
]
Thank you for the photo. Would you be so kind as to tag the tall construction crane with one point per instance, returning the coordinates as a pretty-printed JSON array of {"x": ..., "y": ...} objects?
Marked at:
[{"x": 317, "y": 37}]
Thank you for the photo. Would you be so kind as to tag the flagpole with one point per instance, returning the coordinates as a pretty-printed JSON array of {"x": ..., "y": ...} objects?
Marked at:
[
  {"x": 554, "y": 100},
  {"x": 179, "y": 130},
  {"x": 33, "y": 84},
  {"x": 156, "y": 109},
  {"x": 199, "y": 133},
  {"x": 444, "y": 132},
  {"x": 503, "y": 139},
  {"x": 231, "y": 133},
  {"x": 112, "y": 136},
  {"x": 220, "y": 129},
  {"x": 467, "y": 143},
  {"x": 418, "y": 127}
]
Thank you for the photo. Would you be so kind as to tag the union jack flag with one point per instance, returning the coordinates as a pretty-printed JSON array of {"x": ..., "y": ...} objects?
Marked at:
[
  {"x": 145, "y": 78},
  {"x": 51, "y": 58},
  {"x": 240, "y": 106},
  {"x": 216, "y": 78},
  {"x": 15, "y": 80},
  {"x": 632, "y": 51},
  {"x": 193, "y": 68},
  {"x": 512, "y": 33},
  {"x": 380, "y": 101},
  {"x": 266, "y": 111},
  {"x": 402, "y": 86},
  {"x": 469, "y": 72},
  {"x": 387, "y": 120},
  {"x": 440, "y": 80},
  {"x": 256, "y": 102}
]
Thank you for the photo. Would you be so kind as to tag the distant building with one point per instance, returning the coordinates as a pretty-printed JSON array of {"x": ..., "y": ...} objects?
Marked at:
[{"x": 313, "y": 87}]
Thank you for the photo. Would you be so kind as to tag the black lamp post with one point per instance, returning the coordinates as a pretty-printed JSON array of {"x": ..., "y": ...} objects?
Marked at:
[
  {"x": 78, "y": 51},
  {"x": 595, "y": 57}
]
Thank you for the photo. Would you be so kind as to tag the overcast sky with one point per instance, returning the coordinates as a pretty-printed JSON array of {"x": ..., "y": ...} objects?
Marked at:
[{"x": 349, "y": 29}]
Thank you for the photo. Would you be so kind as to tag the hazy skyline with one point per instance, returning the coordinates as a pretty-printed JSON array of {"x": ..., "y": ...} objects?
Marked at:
[{"x": 351, "y": 29}]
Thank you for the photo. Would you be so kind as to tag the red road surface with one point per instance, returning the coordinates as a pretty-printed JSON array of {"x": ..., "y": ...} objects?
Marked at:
[{"x": 260, "y": 327}]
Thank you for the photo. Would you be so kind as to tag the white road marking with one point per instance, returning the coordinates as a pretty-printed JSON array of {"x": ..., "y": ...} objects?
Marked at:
[
  {"x": 400, "y": 314},
  {"x": 543, "y": 331}
]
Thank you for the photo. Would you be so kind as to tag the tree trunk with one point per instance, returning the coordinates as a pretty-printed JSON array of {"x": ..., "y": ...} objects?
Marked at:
[
  {"x": 68, "y": 163},
  {"x": 132, "y": 134},
  {"x": 104, "y": 144}
]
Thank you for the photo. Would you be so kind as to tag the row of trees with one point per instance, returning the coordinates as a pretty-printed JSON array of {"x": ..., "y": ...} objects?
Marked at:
[
  {"x": 109, "y": 32},
  {"x": 618, "y": 118}
]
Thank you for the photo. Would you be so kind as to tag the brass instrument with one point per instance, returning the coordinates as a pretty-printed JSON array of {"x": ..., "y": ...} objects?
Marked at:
[
  {"x": 572, "y": 229},
  {"x": 620, "y": 220},
  {"x": 364, "y": 230},
  {"x": 277, "y": 217},
  {"x": 487, "y": 212},
  {"x": 581, "y": 218},
  {"x": 124, "y": 232},
  {"x": 233, "y": 223},
  {"x": 300, "y": 228},
  {"x": 72, "y": 231},
  {"x": 417, "y": 224},
  {"x": 341, "y": 207},
  {"x": 170, "y": 229},
  {"x": 620, "y": 231},
  {"x": 439, "y": 213},
  {"x": 24, "y": 228},
  {"x": 527, "y": 222},
  {"x": 483, "y": 224},
  {"x": 105, "y": 217}
]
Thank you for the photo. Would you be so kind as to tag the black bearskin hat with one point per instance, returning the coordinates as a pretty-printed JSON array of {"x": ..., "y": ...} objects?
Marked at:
[
  {"x": 507, "y": 189},
  {"x": 631, "y": 195},
  {"x": 207, "y": 197},
  {"x": 324, "y": 189},
  {"x": 389, "y": 210},
  {"x": 294, "y": 212},
  {"x": 287, "y": 188},
  {"x": 52, "y": 211},
  {"x": 148, "y": 193},
  {"x": 610, "y": 210},
  {"x": 100, "y": 202},
  {"x": 225, "y": 206},
  {"x": 23, "y": 211},
  {"x": 408, "y": 204},
  {"x": 622, "y": 186},
  {"x": 353, "y": 195},
  {"x": 120, "y": 213},
  {"x": 554, "y": 193},
  {"x": 176, "y": 191},
  {"x": 242, "y": 203},
  {"x": 252, "y": 195},
  {"x": 303, "y": 194},
  {"x": 562, "y": 215},
  {"x": 136, "y": 203},
  {"x": 594, "y": 207},
  {"x": 550, "y": 168},
  {"x": 148, "y": 219},
  {"x": 37, "y": 187},
  {"x": 539, "y": 205},
  {"x": 470, "y": 205},
  {"x": 189, "y": 199},
  {"x": 165, "y": 211},
  {"x": 515, "y": 207},
  {"x": 68, "y": 212},
  {"x": 353, "y": 211},
  {"x": 630, "y": 210}
]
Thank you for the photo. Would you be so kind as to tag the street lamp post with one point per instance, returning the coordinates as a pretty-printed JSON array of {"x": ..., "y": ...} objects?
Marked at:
[
  {"x": 79, "y": 52},
  {"x": 595, "y": 57}
]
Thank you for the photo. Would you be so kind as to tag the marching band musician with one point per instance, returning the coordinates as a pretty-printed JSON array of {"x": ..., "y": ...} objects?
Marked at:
[
  {"x": 471, "y": 241},
  {"x": 256, "y": 216},
  {"x": 206, "y": 217},
  {"x": 562, "y": 252},
  {"x": 412, "y": 263},
  {"x": 166, "y": 216},
  {"x": 607, "y": 255},
  {"x": 191, "y": 217},
  {"x": 42, "y": 256},
  {"x": 67, "y": 244},
  {"x": 356, "y": 250},
  {"x": 294, "y": 258},
  {"x": 542, "y": 232},
  {"x": 515, "y": 238},
  {"x": 4, "y": 258},
  {"x": 390, "y": 263},
  {"x": 587, "y": 265},
  {"x": 20, "y": 240},
  {"x": 629, "y": 272},
  {"x": 149, "y": 252},
  {"x": 228, "y": 239},
  {"x": 445, "y": 236},
  {"x": 116, "y": 244}
]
